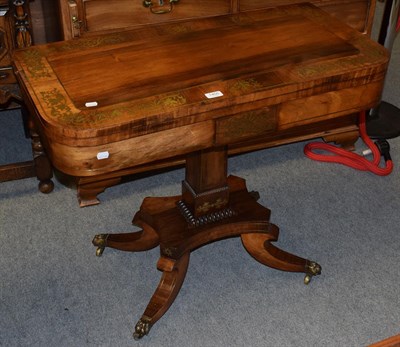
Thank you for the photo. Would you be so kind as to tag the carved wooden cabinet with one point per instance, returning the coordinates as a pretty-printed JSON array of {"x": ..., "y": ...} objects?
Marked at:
[
  {"x": 82, "y": 17},
  {"x": 6, "y": 44},
  {"x": 14, "y": 33}
]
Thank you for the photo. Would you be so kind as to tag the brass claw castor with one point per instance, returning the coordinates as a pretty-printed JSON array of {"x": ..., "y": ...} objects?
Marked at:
[
  {"x": 307, "y": 279},
  {"x": 99, "y": 251},
  {"x": 312, "y": 269},
  {"x": 142, "y": 328},
  {"x": 100, "y": 241}
]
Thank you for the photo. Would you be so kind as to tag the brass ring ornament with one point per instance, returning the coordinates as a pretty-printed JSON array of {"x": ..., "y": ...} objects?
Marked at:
[{"x": 161, "y": 8}]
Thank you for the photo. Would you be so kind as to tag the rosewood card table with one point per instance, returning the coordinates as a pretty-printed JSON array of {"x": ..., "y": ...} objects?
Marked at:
[
  {"x": 195, "y": 88},
  {"x": 83, "y": 18}
]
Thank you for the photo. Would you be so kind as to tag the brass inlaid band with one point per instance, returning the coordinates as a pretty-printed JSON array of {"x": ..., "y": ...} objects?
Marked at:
[
  {"x": 206, "y": 219},
  {"x": 207, "y": 206},
  {"x": 241, "y": 86},
  {"x": 59, "y": 108}
]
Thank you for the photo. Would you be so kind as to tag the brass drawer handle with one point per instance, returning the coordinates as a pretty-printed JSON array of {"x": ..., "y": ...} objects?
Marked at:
[
  {"x": 76, "y": 22},
  {"x": 161, "y": 8}
]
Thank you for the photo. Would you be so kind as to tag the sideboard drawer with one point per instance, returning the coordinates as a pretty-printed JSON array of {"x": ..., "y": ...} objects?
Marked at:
[{"x": 99, "y": 15}]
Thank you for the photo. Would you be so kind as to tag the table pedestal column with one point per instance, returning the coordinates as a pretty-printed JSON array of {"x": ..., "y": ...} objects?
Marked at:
[{"x": 211, "y": 207}]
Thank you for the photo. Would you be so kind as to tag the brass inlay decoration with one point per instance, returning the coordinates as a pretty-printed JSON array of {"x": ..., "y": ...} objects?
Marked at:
[
  {"x": 363, "y": 44},
  {"x": 179, "y": 28},
  {"x": 91, "y": 42},
  {"x": 324, "y": 67},
  {"x": 36, "y": 58},
  {"x": 59, "y": 108},
  {"x": 172, "y": 101},
  {"x": 57, "y": 102},
  {"x": 212, "y": 217},
  {"x": 35, "y": 64},
  {"x": 165, "y": 103},
  {"x": 207, "y": 206},
  {"x": 244, "y": 86},
  {"x": 97, "y": 116},
  {"x": 169, "y": 251}
]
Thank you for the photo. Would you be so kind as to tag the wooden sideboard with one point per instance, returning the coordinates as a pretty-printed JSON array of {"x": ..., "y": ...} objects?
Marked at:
[
  {"x": 6, "y": 45},
  {"x": 88, "y": 18},
  {"x": 15, "y": 32},
  {"x": 45, "y": 21},
  {"x": 83, "y": 17}
]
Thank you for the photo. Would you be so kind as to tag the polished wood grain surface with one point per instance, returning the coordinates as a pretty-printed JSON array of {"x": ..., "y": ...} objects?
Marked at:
[
  {"x": 356, "y": 13},
  {"x": 161, "y": 63}
]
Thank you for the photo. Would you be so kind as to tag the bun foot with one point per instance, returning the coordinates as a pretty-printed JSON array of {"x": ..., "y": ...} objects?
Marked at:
[{"x": 46, "y": 186}]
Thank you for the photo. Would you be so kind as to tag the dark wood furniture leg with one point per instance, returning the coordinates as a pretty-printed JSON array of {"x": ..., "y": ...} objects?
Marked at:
[
  {"x": 20, "y": 170},
  {"x": 43, "y": 167},
  {"x": 87, "y": 192},
  {"x": 211, "y": 207},
  {"x": 9, "y": 93},
  {"x": 40, "y": 166}
]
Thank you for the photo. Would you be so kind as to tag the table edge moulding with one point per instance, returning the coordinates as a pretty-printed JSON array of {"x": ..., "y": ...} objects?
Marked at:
[{"x": 181, "y": 91}]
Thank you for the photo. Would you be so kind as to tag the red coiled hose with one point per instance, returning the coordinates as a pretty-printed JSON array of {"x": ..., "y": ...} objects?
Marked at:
[{"x": 356, "y": 161}]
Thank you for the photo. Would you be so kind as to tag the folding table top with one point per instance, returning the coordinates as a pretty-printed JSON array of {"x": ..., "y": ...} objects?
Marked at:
[{"x": 160, "y": 76}]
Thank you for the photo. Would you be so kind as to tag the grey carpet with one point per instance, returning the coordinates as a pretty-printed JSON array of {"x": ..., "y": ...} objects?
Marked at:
[{"x": 54, "y": 291}]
